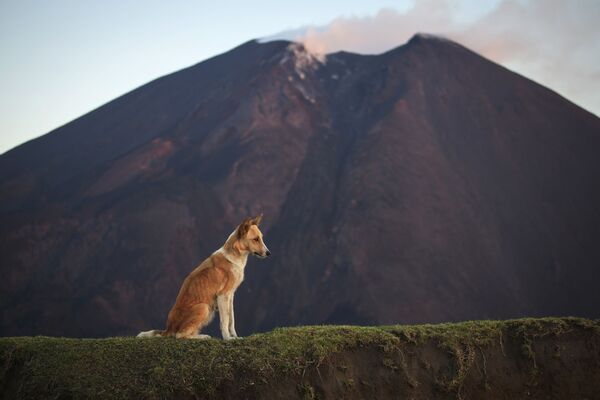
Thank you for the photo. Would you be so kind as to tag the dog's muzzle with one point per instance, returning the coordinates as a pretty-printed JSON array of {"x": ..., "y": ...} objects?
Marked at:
[{"x": 267, "y": 254}]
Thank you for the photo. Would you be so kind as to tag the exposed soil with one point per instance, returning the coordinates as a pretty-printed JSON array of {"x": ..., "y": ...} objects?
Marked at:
[{"x": 566, "y": 368}]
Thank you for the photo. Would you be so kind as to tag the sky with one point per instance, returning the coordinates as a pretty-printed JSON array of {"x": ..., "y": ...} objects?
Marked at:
[{"x": 60, "y": 59}]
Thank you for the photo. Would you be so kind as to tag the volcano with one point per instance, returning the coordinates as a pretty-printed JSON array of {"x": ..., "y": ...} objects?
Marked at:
[{"x": 424, "y": 184}]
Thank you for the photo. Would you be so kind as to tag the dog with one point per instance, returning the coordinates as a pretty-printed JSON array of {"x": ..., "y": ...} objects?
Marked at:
[{"x": 214, "y": 281}]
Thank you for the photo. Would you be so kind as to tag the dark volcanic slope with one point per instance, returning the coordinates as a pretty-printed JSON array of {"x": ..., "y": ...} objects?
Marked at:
[{"x": 423, "y": 184}]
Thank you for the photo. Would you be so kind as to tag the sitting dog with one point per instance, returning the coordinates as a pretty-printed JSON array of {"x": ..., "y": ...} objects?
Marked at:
[{"x": 214, "y": 282}]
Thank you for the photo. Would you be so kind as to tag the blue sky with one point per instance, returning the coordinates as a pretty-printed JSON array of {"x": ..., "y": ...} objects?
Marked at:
[{"x": 63, "y": 58}]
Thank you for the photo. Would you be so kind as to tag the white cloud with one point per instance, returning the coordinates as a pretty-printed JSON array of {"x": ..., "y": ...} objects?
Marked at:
[{"x": 554, "y": 42}]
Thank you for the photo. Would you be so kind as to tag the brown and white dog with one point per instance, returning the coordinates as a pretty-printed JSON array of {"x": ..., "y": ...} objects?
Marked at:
[{"x": 214, "y": 282}]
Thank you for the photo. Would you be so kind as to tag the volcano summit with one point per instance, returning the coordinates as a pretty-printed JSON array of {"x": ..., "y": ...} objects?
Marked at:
[{"x": 424, "y": 184}]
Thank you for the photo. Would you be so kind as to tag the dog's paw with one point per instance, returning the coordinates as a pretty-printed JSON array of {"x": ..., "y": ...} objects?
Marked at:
[{"x": 197, "y": 336}]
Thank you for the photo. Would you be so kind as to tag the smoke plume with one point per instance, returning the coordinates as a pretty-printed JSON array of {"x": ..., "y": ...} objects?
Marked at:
[{"x": 556, "y": 43}]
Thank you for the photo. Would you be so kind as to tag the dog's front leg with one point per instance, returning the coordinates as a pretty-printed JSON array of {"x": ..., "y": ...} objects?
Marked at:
[
  {"x": 231, "y": 318},
  {"x": 223, "y": 303}
]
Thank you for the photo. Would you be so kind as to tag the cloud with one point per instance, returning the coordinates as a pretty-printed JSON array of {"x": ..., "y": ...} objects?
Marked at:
[{"x": 554, "y": 42}]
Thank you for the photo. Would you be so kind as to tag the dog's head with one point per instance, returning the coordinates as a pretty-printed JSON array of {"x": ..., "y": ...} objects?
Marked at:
[{"x": 250, "y": 238}]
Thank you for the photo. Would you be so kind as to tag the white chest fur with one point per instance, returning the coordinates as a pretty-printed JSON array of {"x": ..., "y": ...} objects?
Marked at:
[
  {"x": 238, "y": 272},
  {"x": 238, "y": 264}
]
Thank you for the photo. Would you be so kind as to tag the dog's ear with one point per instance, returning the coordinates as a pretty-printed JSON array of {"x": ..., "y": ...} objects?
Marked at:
[
  {"x": 243, "y": 228},
  {"x": 256, "y": 220}
]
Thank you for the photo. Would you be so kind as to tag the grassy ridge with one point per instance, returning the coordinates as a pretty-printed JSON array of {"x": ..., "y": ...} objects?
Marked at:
[{"x": 284, "y": 362}]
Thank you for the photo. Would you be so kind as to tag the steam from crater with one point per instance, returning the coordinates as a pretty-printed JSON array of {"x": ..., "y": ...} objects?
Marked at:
[{"x": 554, "y": 42}]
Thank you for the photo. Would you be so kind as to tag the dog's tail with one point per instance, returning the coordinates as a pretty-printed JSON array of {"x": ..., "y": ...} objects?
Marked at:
[{"x": 150, "y": 334}]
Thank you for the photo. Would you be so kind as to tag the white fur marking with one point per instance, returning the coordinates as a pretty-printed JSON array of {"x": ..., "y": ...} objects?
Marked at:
[
  {"x": 223, "y": 303},
  {"x": 147, "y": 334}
]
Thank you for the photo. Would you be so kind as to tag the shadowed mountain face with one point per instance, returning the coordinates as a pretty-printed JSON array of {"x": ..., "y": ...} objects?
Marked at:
[{"x": 425, "y": 184}]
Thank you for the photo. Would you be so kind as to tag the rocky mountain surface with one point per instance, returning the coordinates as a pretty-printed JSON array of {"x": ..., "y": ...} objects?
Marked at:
[{"x": 424, "y": 184}]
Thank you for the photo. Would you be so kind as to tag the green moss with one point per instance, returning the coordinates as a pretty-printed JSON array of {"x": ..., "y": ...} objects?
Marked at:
[
  {"x": 389, "y": 363},
  {"x": 33, "y": 367},
  {"x": 349, "y": 383},
  {"x": 306, "y": 391}
]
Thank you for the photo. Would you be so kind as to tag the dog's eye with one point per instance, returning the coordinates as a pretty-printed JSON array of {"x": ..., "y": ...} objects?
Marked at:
[{"x": 256, "y": 239}]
